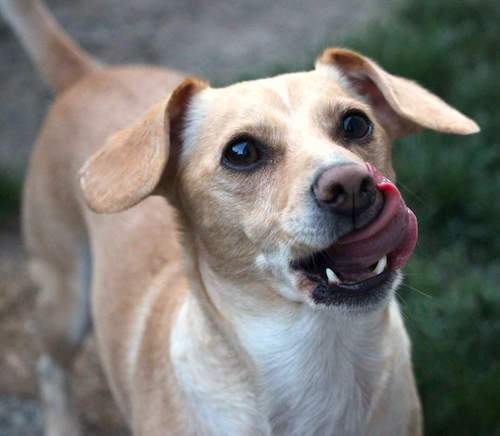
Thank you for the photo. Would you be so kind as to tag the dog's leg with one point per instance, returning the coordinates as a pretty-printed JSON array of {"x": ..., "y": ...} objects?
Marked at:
[
  {"x": 57, "y": 400},
  {"x": 63, "y": 321}
]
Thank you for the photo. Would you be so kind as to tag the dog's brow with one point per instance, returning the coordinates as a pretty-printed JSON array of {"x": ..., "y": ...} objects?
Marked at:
[
  {"x": 270, "y": 132},
  {"x": 327, "y": 112}
]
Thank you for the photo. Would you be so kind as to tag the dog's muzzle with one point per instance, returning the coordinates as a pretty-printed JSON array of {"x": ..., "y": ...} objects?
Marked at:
[{"x": 366, "y": 257}]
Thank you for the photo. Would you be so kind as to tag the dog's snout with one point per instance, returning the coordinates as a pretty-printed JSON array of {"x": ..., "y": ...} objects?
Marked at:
[{"x": 347, "y": 189}]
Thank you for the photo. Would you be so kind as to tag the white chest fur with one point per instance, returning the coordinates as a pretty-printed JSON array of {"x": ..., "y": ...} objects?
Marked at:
[
  {"x": 318, "y": 371},
  {"x": 214, "y": 383}
]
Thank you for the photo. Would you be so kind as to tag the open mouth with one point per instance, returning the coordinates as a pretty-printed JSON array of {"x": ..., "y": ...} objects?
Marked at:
[{"x": 360, "y": 267}]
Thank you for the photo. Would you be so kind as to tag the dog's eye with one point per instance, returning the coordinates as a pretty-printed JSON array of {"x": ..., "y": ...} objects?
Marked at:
[
  {"x": 243, "y": 153},
  {"x": 356, "y": 125}
]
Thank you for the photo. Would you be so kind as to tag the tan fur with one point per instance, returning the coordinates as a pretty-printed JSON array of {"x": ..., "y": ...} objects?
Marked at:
[
  {"x": 187, "y": 323},
  {"x": 60, "y": 61}
]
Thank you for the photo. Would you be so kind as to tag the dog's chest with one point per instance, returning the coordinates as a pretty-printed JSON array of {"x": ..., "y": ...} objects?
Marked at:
[{"x": 316, "y": 377}]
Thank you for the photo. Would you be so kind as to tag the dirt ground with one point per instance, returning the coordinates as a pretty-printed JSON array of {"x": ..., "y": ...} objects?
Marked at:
[{"x": 219, "y": 40}]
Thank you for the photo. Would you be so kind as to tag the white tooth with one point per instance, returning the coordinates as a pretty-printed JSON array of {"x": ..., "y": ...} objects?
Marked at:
[
  {"x": 381, "y": 264},
  {"x": 332, "y": 277}
]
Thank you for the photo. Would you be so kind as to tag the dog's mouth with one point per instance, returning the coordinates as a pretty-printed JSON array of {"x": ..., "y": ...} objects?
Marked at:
[{"x": 362, "y": 264}]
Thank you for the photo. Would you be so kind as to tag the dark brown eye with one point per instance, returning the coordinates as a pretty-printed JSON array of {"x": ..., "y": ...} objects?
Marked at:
[
  {"x": 244, "y": 153},
  {"x": 356, "y": 125}
]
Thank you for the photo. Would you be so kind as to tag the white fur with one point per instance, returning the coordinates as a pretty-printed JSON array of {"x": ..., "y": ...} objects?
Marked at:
[
  {"x": 334, "y": 73},
  {"x": 195, "y": 115},
  {"x": 281, "y": 89},
  {"x": 319, "y": 370},
  {"x": 212, "y": 381},
  {"x": 278, "y": 264}
]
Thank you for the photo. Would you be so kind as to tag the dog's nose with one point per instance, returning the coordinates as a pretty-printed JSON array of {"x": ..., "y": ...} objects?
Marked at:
[{"x": 346, "y": 189}]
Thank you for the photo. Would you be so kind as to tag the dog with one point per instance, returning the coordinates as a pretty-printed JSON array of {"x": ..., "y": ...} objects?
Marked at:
[{"x": 237, "y": 249}]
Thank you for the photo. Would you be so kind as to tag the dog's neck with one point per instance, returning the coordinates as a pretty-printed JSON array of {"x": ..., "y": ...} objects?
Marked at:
[{"x": 312, "y": 370}]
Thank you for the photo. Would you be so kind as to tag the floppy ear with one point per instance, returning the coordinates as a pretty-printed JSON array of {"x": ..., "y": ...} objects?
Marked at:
[
  {"x": 130, "y": 165},
  {"x": 402, "y": 106}
]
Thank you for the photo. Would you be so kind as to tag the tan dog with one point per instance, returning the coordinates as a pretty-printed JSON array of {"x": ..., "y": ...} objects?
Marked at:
[{"x": 257, "y": 300}]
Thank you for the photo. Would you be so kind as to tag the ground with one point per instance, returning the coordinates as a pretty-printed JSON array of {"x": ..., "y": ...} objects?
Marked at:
[{"x": 219, "y": 40}]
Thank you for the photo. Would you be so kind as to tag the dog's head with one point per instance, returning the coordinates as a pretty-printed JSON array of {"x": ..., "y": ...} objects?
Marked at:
[{"x": 286, "y": 183}]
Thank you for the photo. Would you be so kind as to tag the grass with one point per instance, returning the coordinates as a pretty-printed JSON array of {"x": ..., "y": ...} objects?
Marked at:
[
  {"x": 451, "y": 297},
  {"x": 10, "y": 193}
]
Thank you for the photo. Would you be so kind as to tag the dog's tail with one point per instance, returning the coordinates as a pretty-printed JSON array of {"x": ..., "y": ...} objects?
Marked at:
[{"x": 59, "y": 59}]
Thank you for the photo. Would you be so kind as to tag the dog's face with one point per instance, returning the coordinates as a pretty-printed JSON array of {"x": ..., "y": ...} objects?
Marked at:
[
  {"x": 284, "y": 182},
  {"x": 252, "y": 154}
]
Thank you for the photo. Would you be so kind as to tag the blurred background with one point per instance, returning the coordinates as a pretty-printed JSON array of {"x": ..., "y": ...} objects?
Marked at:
[{"x": 451, "y": 295}]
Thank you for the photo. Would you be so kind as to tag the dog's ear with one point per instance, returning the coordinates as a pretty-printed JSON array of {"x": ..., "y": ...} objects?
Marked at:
[
  {"x": 401, "y": 106},
  {"x": 130, "y": 165}
]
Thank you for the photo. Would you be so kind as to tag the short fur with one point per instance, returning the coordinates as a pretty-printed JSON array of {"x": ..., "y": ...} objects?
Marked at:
[{"x": 202, "y": 326}]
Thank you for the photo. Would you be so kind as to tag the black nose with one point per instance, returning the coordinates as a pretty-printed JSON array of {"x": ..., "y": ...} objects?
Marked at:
[{"x": 346, "y": 189}]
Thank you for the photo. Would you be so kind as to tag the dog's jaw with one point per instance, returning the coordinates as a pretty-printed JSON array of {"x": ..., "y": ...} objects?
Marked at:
[{"x": 296, "y": 287}]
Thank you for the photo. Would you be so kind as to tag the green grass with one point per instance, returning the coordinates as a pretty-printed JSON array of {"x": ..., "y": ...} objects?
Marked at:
[
  {"x": 10, "y": 193},
  {"x": 451, "y": 296}
]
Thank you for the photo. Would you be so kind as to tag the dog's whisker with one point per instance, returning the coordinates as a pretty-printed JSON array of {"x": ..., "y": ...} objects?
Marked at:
[
  {"x": 401, "y": 299},
  {"x": 404, "y": 308},
  {"x": 413, "y": 194},
  {"x": 425, "y": 294}
]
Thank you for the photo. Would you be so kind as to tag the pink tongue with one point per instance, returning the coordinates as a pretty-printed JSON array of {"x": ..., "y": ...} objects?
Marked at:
[{"x": 392, "y": 233}]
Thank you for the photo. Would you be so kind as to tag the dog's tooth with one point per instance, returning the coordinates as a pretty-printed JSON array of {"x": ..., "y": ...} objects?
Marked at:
[
  {"x": 381, "y": 264},
  {"x": 332, "y": 277}
]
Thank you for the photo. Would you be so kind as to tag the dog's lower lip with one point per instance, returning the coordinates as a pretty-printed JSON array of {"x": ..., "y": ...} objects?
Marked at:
[
  {"x": 320, "y": 267},
  {"x": 331, "y": 286},
  {"x": 362, "y": 286},
  {"x": 366, "y": 293},
  {"x": 343, "y": 284}
]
